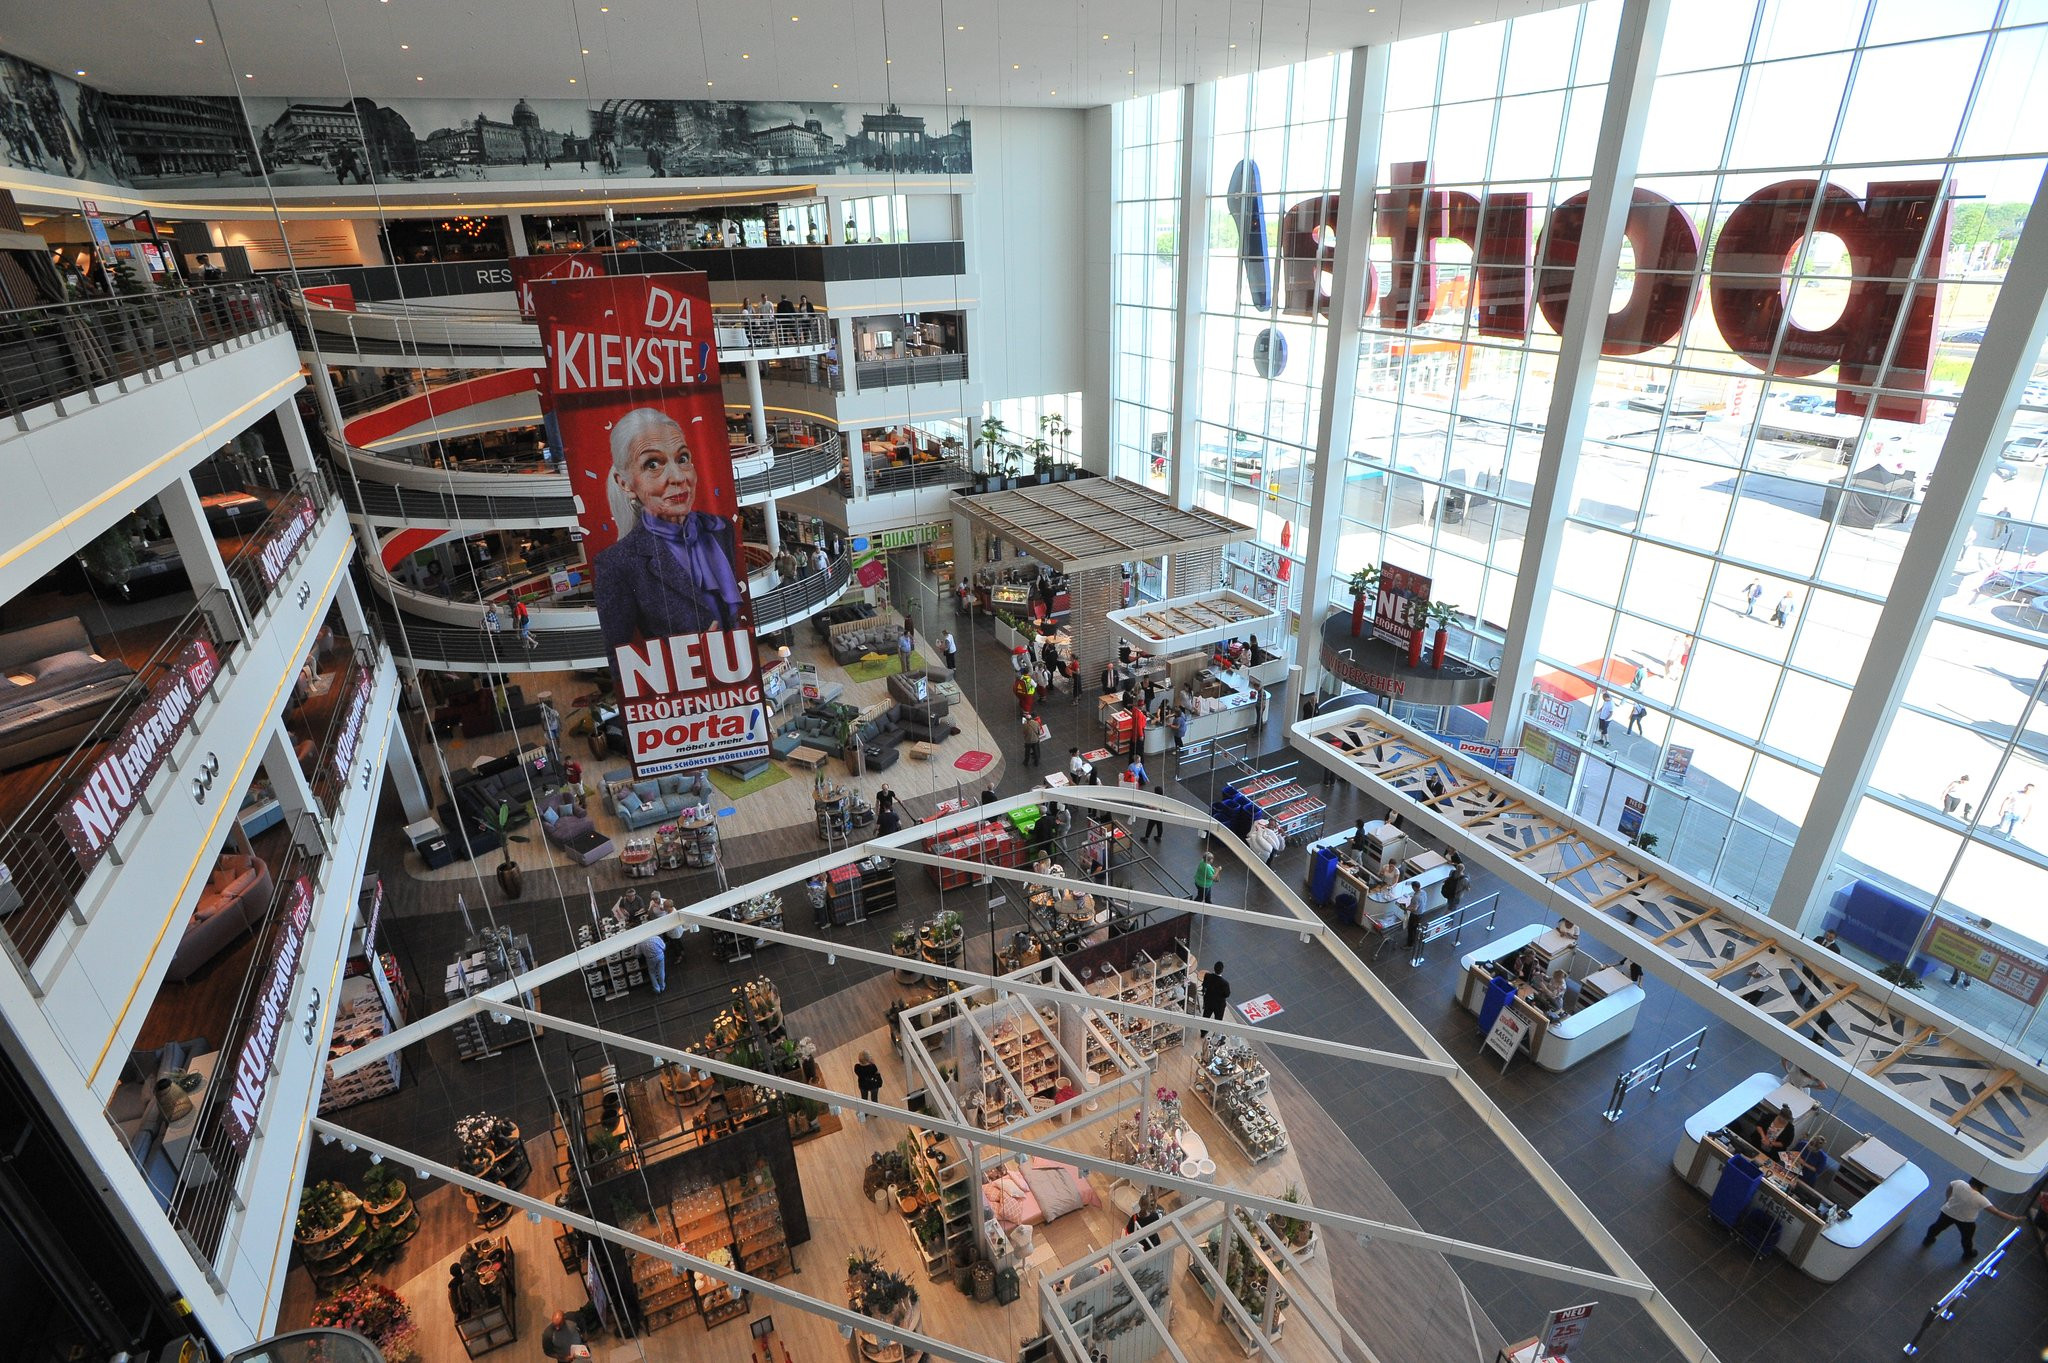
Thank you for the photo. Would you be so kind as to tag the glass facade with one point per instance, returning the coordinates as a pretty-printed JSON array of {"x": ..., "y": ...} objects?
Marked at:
[
  {"x": 1826, "y": 203},
  {"x": 1145, "y": 194}
]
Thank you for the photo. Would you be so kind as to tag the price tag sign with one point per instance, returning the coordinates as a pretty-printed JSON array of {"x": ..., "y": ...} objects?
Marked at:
[
  {"x": 1259, "y": 1009},
  {"x": 1562, "y": 1329}
]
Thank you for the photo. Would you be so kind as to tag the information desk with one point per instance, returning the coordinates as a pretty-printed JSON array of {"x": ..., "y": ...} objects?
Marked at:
[
  {"x": 1601, "y": 1011},
  {"x": 1377, "y": 885},
  {"x": 1830, "y": 1225}
]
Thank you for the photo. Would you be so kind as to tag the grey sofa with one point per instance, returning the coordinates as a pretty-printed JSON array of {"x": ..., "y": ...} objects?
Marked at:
[
  {"x": 134, "y": 1112},
  {"x": 236, "y": 897},
  {"x": 53, "y": 689}
]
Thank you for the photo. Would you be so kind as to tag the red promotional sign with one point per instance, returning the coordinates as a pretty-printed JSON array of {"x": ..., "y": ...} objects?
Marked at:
[
  {"x": 630, "y": 379},
  {"x": 351, "y": 736},
  {"x": 530, "y": 270},
  {"x": 113, "y": 789},
  {"x": 1402, "y": 595},
  {"x": 254, "y": 1062},
  {"x": 339, "y": 297}
]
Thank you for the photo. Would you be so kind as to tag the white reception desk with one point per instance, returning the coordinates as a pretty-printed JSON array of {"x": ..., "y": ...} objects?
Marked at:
[
  {"x": 1592, "y": 1026},
  {"x": 1872, "y": 1189}
]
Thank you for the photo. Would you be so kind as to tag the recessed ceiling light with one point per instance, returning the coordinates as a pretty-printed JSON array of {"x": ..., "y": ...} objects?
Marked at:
[
  {"x": 405, "y": 47},
  {"x": 888, "y": 61},
  {"x": 959, "y": 28},
  {"x": 1130, "y": 71},
  {"x": 572, "y": 80},
  {"x": 707, "y": 84},
  {"x": 794, "y": 18},
  {"x": 419, "y": 77},
  {"x": 586, "y": 51},
  {"x": 835, "y": 85},
  {"x": 248, "y": 75},
  {"x": 1055, "y": 92},
  {"x": 746, "y": 56},
  {"x": 949, "y": 89},
  {"x": 78, "y": 73},
  {"x": 1015, "y": 67},
  {"x": 199, "y": 40}
]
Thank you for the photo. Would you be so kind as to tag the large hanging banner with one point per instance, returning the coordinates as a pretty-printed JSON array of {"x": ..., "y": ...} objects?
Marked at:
[{"x": 630, "y": 385}]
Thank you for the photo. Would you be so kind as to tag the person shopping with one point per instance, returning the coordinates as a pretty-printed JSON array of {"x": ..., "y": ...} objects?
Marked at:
[
  {"x": 1965, "y": 1203},
  {"x": 1215, "y": 994},
  {"x": 1205, "y": 879}
]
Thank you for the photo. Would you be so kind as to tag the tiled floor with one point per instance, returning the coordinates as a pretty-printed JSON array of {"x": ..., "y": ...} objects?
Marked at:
[{"x": 1420, "y": 1138}]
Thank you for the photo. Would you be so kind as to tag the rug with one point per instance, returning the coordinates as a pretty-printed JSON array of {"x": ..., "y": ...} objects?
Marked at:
[
  {"x": 734, "y": 788},
  {"x": 973, "y": 761},
  {"x": 865, "y": 671}
]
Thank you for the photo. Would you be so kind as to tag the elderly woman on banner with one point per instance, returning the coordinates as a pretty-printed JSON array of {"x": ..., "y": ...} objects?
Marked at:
[{"x": 671, "y": 571}]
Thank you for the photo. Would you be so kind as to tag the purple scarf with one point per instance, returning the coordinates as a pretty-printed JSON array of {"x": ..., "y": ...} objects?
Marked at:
[{"x": 695, "y": 548}]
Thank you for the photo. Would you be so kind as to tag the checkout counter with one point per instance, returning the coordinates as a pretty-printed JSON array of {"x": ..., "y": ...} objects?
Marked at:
[
  {"x": 1377, "y": 873},
  {"x": 1600, "y": 1011},
  {"x": 1829, "y": 1225}
]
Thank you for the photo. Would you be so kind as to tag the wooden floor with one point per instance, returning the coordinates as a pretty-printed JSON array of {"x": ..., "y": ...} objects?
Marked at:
[
  {"x": 768, "y": 825},
  {"x": 1406, "y": 1304}
]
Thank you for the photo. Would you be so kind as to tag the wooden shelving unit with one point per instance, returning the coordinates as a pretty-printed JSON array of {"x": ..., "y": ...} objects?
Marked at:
[
  {"x": 738, "y": 1222},
  {"x": 877, "y": 886},
  {"x": 940, "y": 1161}
]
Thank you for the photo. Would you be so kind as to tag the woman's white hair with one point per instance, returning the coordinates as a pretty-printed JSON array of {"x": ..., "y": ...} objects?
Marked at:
[{"x": 634, "y": 424}]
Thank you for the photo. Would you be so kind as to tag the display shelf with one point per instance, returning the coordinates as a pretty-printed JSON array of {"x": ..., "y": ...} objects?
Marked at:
[
  {"x": 843, "y": 896},
  {"x": 493, "y": 956},
  {"x": 877, "y": 886},
  {"x": 619, "y": 973},
  {"x": 698, "y": 839},
  {"x": 495, "y": 1323},
  {"x": 335, "y": 1257},
  {"x": 359, "y": 1019},
  {"x": 939, "y": 1163}
]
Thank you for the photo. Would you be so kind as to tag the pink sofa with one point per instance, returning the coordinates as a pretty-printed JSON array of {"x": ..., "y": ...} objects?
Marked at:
[{"x": 236, "y": 897}]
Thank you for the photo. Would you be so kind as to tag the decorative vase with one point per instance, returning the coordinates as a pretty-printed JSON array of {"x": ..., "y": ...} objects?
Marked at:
[
  {"x": 1436, "y": 647},
  {"x": 1357, "y": 613},
  {"x": 1415, "y": 646},
  {"x": 510, "y": 878}
]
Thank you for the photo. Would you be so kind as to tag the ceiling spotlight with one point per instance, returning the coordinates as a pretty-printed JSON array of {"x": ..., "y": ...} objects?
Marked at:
[
  {"x": 586, "y": 51},
  {"x": 327, "y": 1137},
  {"x": 572, "y": 80},
  {"x": 419, "y": 77},
  {"x": 835, "y": 85},
  {"x": 1014, "y": 66},
  {"x": 199, "y": 40},
  {"x": 746, "y": 56},
  {"x": 424, "y": 1175},
  {"x": 376, "y": 1158},
  {"x": 405, "y": 47},
  {"x": 349, "y": 1146}
]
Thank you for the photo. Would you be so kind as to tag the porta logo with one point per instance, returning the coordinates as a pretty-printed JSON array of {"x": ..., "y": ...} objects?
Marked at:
[{"x": 1885, "y": 334}]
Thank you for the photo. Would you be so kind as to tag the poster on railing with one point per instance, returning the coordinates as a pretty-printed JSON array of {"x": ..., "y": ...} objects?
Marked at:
[
  {"x": 530, "y": 270},
  {"x": 112, "y": 789},
  {"x": 629, "y": 380}
]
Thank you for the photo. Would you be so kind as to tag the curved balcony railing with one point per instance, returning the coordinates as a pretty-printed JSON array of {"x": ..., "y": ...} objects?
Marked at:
[
  {"x": 428, "y": 642},
  {"x": 910, "y": 477},
  {"x": 777, "y": 335},
  {"x": 377, "y": 501},
  {"x": 52, "y": 356},
  {"x": 796, "y": 467}
]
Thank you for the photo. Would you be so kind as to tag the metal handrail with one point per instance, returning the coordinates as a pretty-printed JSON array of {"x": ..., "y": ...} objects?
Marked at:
[
  {"x": 803, "y": 597},
  {"x": 247, "y": 570},
  {"x": 51, "y": 355},
  {"x": 907, "y": 477},
  {"x": 1945, "y": 1309},
  {"x": 1454, "y": 924},
  {"x": 44, "y": 871},
  {"x": 910, "y": 370},
  {"x": 740, "y": 332},
  {"x": 1652, "y": 1071}
]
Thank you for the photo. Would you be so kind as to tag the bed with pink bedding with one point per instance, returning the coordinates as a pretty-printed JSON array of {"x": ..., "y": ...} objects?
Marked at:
[{"x": 1036, "y": 1191}]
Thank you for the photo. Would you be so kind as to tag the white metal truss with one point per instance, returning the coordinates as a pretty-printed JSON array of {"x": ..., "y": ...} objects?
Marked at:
[{"x": 1626, "y": 1281}]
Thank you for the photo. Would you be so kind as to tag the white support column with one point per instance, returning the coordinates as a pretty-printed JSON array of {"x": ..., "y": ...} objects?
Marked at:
[
  {"x": 197, "y": 548},
  {"x": 1349, "y": 270},
  {"x": 351, "y": 607},
  {"x": 849, "y": 378},
  {"x": 515, "y": 235},
  {"x": 757, "y": 406},
  {"x": 2005, "y": 360},
  {"x": 1197, "y": 137},
  {"x": 288, "y": 781},
  {"x": 1627, "y": 111},
  {"x": 404, "y": 770},
  {"x": 298, "y": 445},
  {"x": 856, "y": 461},
  {"x": 771, "y": 526}
]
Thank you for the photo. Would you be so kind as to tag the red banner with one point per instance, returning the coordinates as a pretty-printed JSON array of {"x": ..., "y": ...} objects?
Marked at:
[
  {"x": 113, "y": 789},
  {"x": 339, "y": 297},
  {"x": 1402, "y": 595},
  {"x": 254, "y": 1061},
  {"x": 630, "y": 384},
  {"x": 530, "y": 270},
  {"x": 343, "y": 756},
  {"x": 286, "y": 534}
]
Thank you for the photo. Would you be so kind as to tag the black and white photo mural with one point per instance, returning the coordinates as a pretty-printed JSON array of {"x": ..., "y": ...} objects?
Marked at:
[{"x": 53, "y": 124}]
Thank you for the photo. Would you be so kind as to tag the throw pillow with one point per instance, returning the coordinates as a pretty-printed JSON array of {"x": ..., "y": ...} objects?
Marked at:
[
  {"x": 549, "y": 815},
  {"x": 630, "y": 802}
]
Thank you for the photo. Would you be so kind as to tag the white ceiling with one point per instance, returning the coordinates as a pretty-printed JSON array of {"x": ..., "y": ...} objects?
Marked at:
[{"x": 1012, "y": 52}]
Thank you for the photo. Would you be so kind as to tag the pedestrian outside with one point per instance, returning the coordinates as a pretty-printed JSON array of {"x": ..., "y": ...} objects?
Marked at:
[
  {"x": 2015, "y": 809},
  {"x": 1965, "y": 1203},
  {"x": 1752, "y": 594},
  {"x": 1215, "y": 990},
  {"x": 1635, "y": 718},
  {"x": 1957, "y": 795},
  {"x": 1205, "y": 880},
  {"x": 1782, "y": 612},
  {"x": 1605, "y": 717}
]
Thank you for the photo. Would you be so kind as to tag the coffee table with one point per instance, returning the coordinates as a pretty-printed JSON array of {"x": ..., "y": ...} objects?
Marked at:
[
  {"x": 923, "y": 751},
  {"x": 809, "y": 758},
  {"x": 588, "y": 848}
]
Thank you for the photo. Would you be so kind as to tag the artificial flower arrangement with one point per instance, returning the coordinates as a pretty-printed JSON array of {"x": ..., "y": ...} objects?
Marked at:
[{"x": 378, "y": 1314}]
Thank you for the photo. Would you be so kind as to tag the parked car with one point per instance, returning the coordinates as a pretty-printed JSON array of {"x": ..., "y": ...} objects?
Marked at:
[
  {"x": 2026, "y": 448},
  {"x": 1811, "y": 402}
]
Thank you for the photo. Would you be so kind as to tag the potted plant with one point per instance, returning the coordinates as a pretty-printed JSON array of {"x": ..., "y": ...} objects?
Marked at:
[
  {"x": 1443, "y": 615},
  {"x": 903, "y": 944},
  {"x": 510, "y": 878},
  {"x": 1040, "y": 451},
  {"x": 324, "y": 1208},
  {"x": 1902, "y": 974},
  {"x": 993, "y": 435},
  {"x": 1297, "y": 1233},
  {"x": 1054, "y": 428},
  {"x": 383, "y": 1190},
  {"x": 1364, "y": 583}
]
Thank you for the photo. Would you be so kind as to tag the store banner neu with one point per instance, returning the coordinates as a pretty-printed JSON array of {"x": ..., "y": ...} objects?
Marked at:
[
  {"x": 113, "y": 789},
  {"x": 289, "y": 531},
  {"x": 342, "y": 758},
  {"x": 1396, "y": 616},
  {"x": 254, "y": 1062},
  {"x": 630, "y": 383},
  {"x": 530, "y": 270}
]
